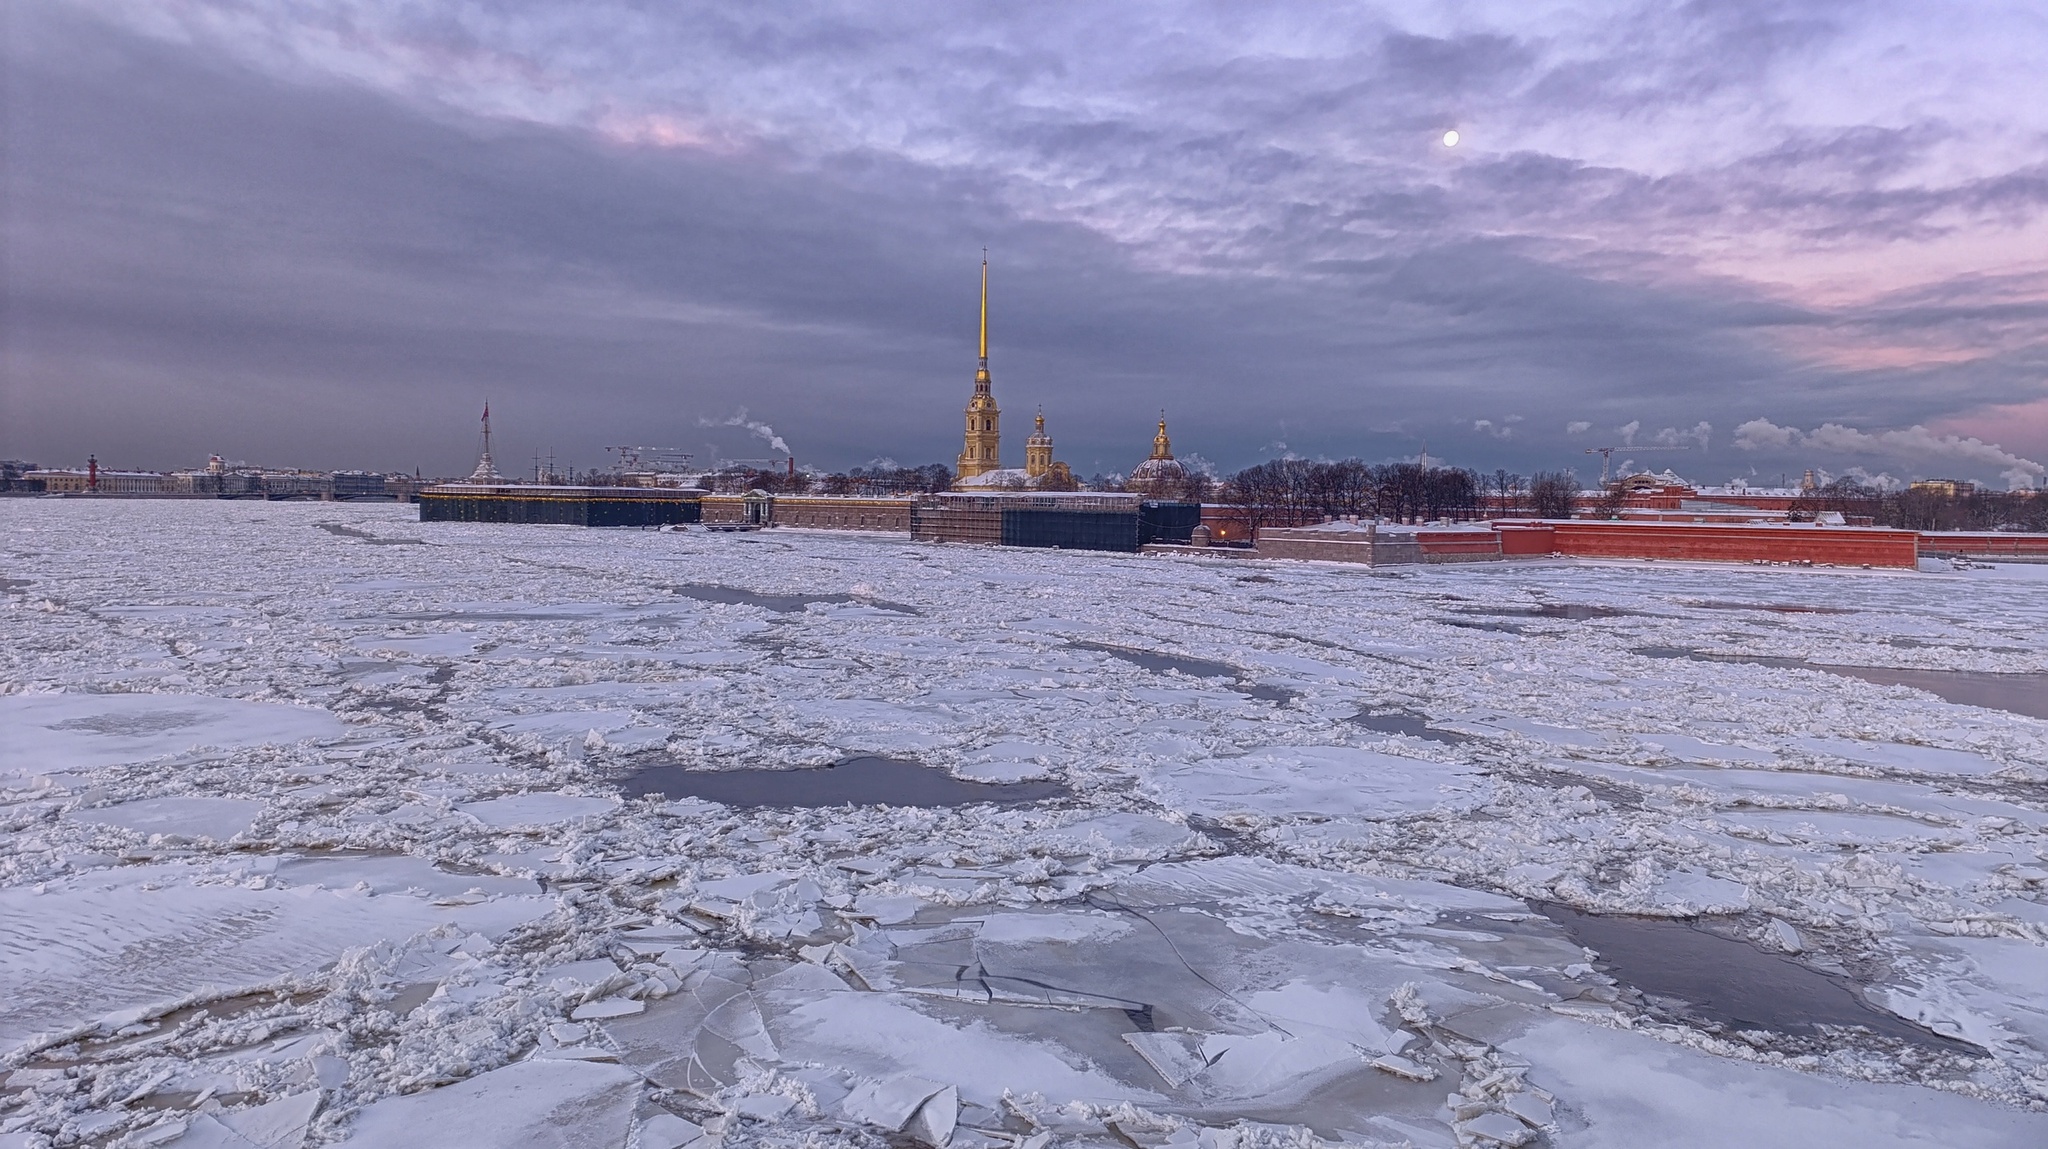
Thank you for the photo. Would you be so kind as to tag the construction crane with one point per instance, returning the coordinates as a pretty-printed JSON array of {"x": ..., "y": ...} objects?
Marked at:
[
  {"x": 1607, "y": 457},
  {"x": 667, "y": 460}
]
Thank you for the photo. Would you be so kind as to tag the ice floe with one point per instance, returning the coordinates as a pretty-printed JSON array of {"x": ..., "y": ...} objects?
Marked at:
[{"x": 401, "y": 847}]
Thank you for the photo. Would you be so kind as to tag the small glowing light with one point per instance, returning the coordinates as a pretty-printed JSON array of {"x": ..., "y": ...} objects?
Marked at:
[{"x": 1451, "y": 138}]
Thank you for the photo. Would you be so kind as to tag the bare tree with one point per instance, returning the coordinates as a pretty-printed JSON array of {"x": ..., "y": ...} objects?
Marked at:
[
  {"x": 1344, "y": 488},
  {"x": 1554, "y": 494},
  {"x": 1401, "y": 490},
  {"x": 1507, "y": 490},
  {"x": 1450, "y": 493}
]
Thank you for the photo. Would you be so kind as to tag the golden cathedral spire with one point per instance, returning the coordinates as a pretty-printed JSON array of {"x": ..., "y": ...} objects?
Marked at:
[
  {"x": 1162, "y": 447},
  {"x": 983, "y": 449}
]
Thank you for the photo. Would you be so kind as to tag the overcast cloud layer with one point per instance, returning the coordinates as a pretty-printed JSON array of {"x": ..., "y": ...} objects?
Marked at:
[{"x": 1777, "y": 235}]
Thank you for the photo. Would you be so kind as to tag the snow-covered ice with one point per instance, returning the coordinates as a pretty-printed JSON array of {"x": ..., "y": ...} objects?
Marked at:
[{"x": 340, "y": 850}]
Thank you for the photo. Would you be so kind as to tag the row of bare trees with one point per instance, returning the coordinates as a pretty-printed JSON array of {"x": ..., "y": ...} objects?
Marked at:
[
  {"x": 1927, "y": 509},
  {"x": 867, "y": 482},
  {"x": 1286, "y": 492},
  {"x": 1545, "y": 495}
]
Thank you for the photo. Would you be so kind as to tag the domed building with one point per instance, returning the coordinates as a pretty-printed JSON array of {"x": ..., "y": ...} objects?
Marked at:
[{"x": 1159, "y": 476}]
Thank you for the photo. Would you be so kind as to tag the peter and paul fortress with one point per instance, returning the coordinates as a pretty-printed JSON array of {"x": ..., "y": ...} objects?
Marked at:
[{"x": 980, "y": 466}]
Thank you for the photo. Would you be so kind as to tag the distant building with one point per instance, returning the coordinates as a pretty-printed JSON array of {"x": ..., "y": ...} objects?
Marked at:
[
  {"x": 14, "y": 476},
  {"x": 1160, "y": 474},
  {"x": 980, "y": 465},
  {"x": 279, "y": 485},
  {"x": 359, "y": 485},
  {"x": 1948, "y": 488},
  {"x": 106, "y": 482}
]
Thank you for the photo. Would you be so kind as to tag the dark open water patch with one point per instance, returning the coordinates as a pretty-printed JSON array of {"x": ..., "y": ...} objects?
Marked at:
[
  {"x": 365, "y": 536},
  {"x": 1266, "y": 693},
  {"x": 2018, "y": 693},
  {"x": 1773, "y": 607},
  {"x": 1159, "y": 662},
  {"x": 1724, "y": 982},
  {"x": 1411, "y": 725},
  {"x": 780, "y": 603},
  {"x": 2022, "y": 693},
  {"x": 1573, "y": 611},
  {"x": 1500, "y": 627},
  {"x": 865, "y": 781}
]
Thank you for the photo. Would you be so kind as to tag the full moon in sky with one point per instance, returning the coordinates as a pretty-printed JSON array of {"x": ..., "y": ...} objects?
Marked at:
[{"x": 1451, "y": 139}]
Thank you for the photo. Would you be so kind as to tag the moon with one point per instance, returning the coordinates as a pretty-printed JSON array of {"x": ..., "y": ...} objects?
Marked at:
[{"x": 1451, "y": 138}]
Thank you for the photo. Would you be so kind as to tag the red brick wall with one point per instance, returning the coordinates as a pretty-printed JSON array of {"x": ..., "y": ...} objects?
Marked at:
[
  {"x": 1841, "y": 546},
  {"x": 724, "y": 509},
  {"x": 1525, "y": 538},
  {"x": 1357, "y": 549},
  {"x": 1984, "y": 543},
  {"x": 827, "y": 512},
  {"x": 1458, "y": 546},
  {"x": 839, "y": 513}
]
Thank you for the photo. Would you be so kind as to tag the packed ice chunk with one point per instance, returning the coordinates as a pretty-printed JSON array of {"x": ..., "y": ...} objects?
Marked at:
[
  {"x": 427, "y": 646},
  {"x": 280, "y": 1124},
  {"x": 1051, "y": 929},
  {"x": 123, "y": 938},
  {"x": 1989, "y": 992},
  {"x": 890, "y": 1103},
  {"x": 1117, "y": 837},
  {"x": 1541, "y": 731},
  {"x": 47, "y": 733},
  {"x": 218, "y": 818},
  {"x": 523, "y": 810},
  {"x": 1403, "y": 1067},
  {"x": 934, "y": 1121},
  {"x": 1259, "y": 1064},
  {"x": 1898, "y": 756},
  {"x": 1835, "y": 828},
  {"x": 1687, "y": 893},
  {"x": 666, "y": 1131},
  {"x": 591, "y": 972},
  {"x": 1783, "y": 936},
  {"x": 1176, "y": 1056},
  {"x": 1698, "y": 750},
  {"x": 1324, "y": 781},
  {"x": 525, "y": 1105},
  {"x": 1003, "y": 771},
  {"x": 1631, "y": 1089},
  {"x": 1496, "y": 1129},
  {"x": 1332, "y": 1011}
]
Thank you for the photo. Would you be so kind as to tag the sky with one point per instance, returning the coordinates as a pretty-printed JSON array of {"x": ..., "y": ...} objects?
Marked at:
[{"x": 1758, "y": 237}]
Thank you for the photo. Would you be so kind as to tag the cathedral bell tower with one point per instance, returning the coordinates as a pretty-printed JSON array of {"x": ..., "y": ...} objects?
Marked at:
[
  {"x": 983, "y": 449},
  {"x": 1038, "y": 450}
]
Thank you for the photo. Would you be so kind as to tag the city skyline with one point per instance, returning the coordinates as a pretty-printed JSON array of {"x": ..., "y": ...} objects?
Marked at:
[{"x": 325, "y": 240}]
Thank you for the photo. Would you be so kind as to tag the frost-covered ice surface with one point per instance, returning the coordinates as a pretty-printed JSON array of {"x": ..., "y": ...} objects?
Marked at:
[{"x": 310, "y": 840}]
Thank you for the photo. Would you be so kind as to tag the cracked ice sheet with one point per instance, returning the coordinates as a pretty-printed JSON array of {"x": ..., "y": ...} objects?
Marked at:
[
  {"x": 1390, "y": 869},
  {"x": 47, "y": 733},
  {"x": 82, "y": 948},
  {"x": 1335, "y": 781},
  {"x": 1626, "y": 1090},
  {"x": 527, "y": 1105}
]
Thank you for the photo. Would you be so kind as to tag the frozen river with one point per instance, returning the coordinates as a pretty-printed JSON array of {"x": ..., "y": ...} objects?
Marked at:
[{"x": 326, "y": 826}]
